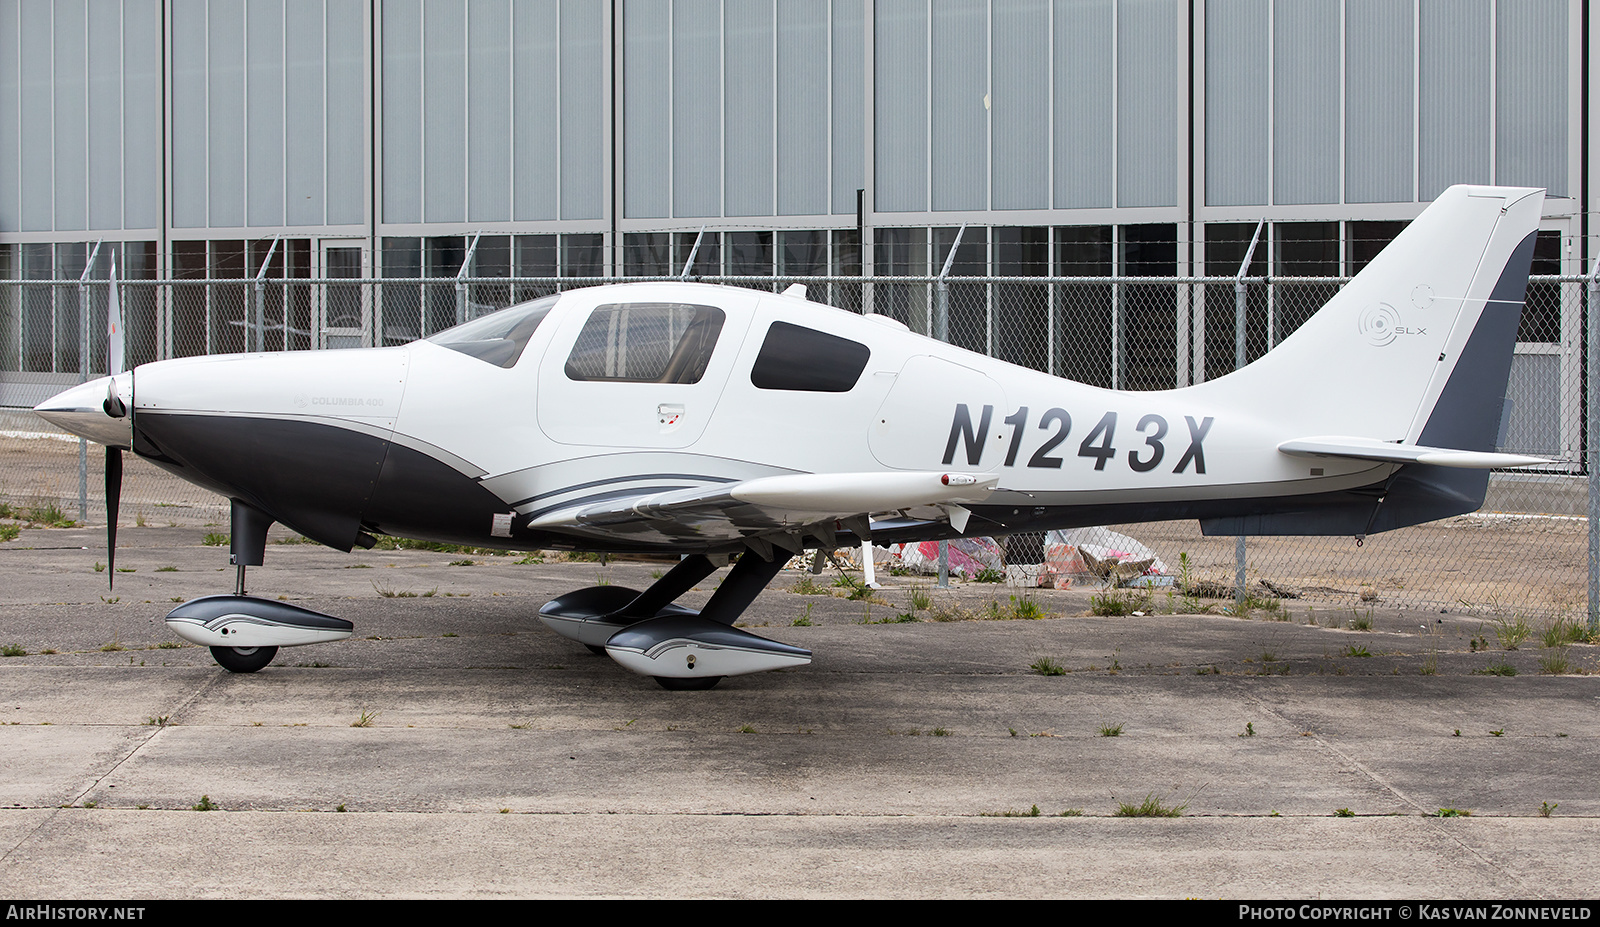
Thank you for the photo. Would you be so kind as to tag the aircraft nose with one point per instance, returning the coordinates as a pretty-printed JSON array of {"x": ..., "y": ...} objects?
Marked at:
[{"x": 100, "y": 410}]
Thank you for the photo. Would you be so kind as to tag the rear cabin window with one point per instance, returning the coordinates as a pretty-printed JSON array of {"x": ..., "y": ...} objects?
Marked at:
[
  {"x": 646, "y": 343},
  {"x": 798, "y": 358}
]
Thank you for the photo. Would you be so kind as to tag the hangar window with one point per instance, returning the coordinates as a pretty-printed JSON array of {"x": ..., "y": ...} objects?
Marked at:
[
  {"x": 646, "y": 343},
  {"x": 797, "y": 358},
  {"x": 499, "y": 337}
]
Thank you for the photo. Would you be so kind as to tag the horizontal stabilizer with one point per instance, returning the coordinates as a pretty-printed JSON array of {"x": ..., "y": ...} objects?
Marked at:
[{"x": 1373, "y": 449}]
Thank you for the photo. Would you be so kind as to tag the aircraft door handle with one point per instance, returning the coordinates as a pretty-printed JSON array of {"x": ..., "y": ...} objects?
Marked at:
[{"x": 669, "y": 415}]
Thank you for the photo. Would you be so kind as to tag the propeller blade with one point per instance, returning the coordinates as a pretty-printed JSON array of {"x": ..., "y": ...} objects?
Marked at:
[{"x": 113, "y": 502}]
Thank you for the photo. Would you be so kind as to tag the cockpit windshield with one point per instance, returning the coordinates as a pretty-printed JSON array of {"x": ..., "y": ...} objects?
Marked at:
[{"x": 499, "y": 337}]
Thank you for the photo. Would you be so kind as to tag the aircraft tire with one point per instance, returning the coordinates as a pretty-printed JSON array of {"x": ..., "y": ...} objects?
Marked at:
[
  {"x": 243, "y": 659},
  {"x": 697, "y": 684}
]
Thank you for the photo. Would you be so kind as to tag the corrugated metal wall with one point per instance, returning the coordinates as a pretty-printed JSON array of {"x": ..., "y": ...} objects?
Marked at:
[
  {"x": 803, "y": 91},
  {"x": 1305, "y": 102},
  {"x": 1020, "y": 105},
  {"x": 1530, "y": 132},
  {"x": 80, "y": 115},
  {"x": 1084, "y": 132},
  {"x": 742, "y": 108},
  {"x": 268, "y": 113},
  {"x": 900, "y": 106},
  {"x": 1461, "y": 91},
  {"x": 493, "y": 111},
  {"x": 499, "y": 110},
  {"x": 1152, "y": 88},
  {"x": 1380, "y": 41},
  {"x": 696, "y": 81},
  {"x": 1453, "y": 95},
  {"x": 848, "y": 103},
  {"x": 1238, "y": 86},
  {"x": 647, "y": 109},
  {"x": 959, "y": 111}
]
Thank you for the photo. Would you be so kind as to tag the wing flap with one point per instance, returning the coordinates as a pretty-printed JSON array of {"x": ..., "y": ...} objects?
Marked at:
[
  {"x": 1388, "y": 452},
  {"x": 775, "y": 503}
]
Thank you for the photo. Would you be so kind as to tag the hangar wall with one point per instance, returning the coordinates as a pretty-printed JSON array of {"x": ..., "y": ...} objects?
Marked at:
[{"x": 169, "y": 120}]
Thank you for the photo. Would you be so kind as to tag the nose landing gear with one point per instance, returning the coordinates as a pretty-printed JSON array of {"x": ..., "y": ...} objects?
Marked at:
[{"x": 244, "y": 632}]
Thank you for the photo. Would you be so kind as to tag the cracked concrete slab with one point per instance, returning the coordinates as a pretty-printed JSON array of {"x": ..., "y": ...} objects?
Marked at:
[{"x": 499, "y": 760}]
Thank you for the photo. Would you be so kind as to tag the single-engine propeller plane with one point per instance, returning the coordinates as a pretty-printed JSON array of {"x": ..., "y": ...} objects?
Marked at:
[{"x": 703, "y": 421}]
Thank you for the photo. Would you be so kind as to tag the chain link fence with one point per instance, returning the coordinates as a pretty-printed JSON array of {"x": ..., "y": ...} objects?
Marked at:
[{"x": 1526, "y": 552}]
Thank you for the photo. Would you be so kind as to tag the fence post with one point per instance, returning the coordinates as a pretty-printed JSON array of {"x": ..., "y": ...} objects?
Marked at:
[
  {"x": 688, "y": 265},
  {"x": 259, "y": 286},
  {"x": 1591, "y": 447},
  {"x": 941, "y": 331},
  {"x": 461, "y": 281},
  {"x": 83, "y": 377},
  {"x": 1240, "y": 306}
]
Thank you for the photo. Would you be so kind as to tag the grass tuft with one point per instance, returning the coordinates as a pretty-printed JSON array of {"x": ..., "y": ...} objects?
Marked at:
[
  {"x": 1554, "y": 662},
  {"x": 1511, "y": 632},
  {"x": 1153, "y": 806},
  {"x": 1115, "y": 604},
  {"x": 1500, "y": 668},
  {"x": 1032, "y": 812},
  {"x": 805, "y": 585},
  {"x": 1045, "y": 666},
  {"x": 1564, "y": 631}
]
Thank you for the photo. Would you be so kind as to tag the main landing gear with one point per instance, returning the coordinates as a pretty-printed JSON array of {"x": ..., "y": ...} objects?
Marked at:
[{"x": 680, "y": 648}]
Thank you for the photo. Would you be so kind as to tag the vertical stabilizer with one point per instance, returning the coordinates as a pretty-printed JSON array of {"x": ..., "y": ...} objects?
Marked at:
[
  {"x": 1416, "y": 350},
  {"x": 1420, "y": 340}
]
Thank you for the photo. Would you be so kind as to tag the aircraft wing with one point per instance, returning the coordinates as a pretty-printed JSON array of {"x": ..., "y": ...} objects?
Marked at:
[
  {"x": 1388, "y": 452},
  {"x": 772, "y": 510}
]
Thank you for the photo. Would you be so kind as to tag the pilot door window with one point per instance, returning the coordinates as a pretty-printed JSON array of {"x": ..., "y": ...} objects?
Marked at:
[{"x": 646, "y": 343}]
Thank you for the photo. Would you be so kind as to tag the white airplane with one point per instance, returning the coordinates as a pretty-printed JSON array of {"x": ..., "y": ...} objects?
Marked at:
[{"x": 704, "y": 420}]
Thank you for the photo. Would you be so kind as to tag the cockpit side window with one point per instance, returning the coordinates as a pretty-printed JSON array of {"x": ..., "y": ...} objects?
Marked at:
[
  {"x": 798, "y": 358},
  {"x": 499, "y": 337},
  {"x": 646, "y": 343}
]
